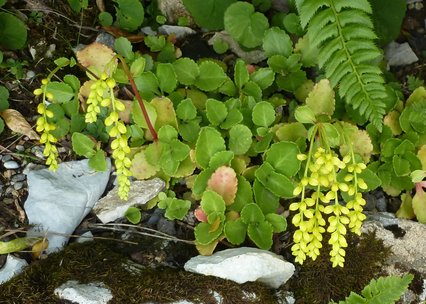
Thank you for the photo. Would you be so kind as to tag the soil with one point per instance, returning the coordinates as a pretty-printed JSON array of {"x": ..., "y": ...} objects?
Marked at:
[{"x": 57, "y": 24}]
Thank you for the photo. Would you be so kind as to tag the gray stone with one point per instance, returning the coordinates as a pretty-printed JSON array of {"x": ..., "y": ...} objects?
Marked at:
[
  {"x": 12, "y": 267},
  {"x": 179, "y": 31},
  {"x": 18, "y": 178},
  {"x": 111, "y": 207},
  {"x": 166, "y": 226},
  {"x": 400, "y": 54},
  {"x": 244, "y": 264},
  {"x": 85, "y": 237},
  {"x": 11, "y": 165},
  {"x": 58, "y": 201},
  {"x": 106, "y": 39},
  {"x": 18, "y": 185},
  {"x": 173, "y": 9},
  {"x": 92, "y": 293},
  {"x": 19, "y": 148},
  {"x": 6, "y": 158}
]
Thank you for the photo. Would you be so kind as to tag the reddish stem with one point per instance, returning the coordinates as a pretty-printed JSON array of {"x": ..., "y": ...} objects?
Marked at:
[{"x": 139, "y": 98}]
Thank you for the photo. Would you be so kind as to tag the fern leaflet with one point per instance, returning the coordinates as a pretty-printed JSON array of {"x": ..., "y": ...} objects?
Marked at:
[{"x": 343, "y": 32}]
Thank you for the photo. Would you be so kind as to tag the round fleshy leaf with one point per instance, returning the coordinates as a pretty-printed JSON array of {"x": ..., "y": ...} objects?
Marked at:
[
  {"x": 283, "y": 157},
  {"x": 224, "y": 182},
  {"x": 211, "y": 76},
  {"x": 216, "y": 111},
  {"x": 212, "y": 202},
  {"x": 186, "y": 70},
  {"x": 133, "y": 215},
  {"x": 209, "y": 142},
  {"x": 240, "y": 139},
  {"x": 265, "y": 199},
  {"x": 235, "y": 231},
  {"x": 261, "y": 234},
  {"x": 263, "y": 114},
  {"x": 277, "y": 183},
  {"x": 277, "y": 42},
  {"x": 204, "y": 234},
  {"x": 251, "y": 214},
  {"x": 186, "y": 110},
  {"x": 244, "y": 195},
  {"x": 278, "y": 222},
  {"x": 222, "y": 158}
]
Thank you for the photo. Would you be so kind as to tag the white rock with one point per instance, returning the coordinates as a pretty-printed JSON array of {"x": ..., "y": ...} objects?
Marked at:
[
  {"x": 400, "y": 54},
  {"x": 92, "y": 293},
  {"x": 11, "y": 268},
  {"x": 58, "y": 201},
  {"x": 179, "y": 31},
  {"x": 11, "y": 165},
  {"x": 244, "y": 265},
  {"x": 111, "y": 207},
  {"x": 85, "y": 237}
]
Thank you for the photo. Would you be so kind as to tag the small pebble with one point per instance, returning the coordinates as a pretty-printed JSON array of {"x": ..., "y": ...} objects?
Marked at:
[
  {"x": 19, "y": 148},
  {"x": 38, "y": 152},
  {"x": 18, "y": 178},
  {"x": 167, "y": 227},
  {"x": 18, "y": 185},
  {"x": 62, "y": 150},
  {"x": 6, "y": 158},
  {"x": 9, "y": 190},
  {"x": 11, "y": 165}
]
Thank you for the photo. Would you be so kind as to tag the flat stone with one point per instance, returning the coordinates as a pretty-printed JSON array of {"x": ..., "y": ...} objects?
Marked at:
[
  {"x": 92, "y": 293},
  {"x": 19, "y": 148},
  {"x": 11, "y": 165},
  {"x": 11, "y": 268},
  {"x": 111, "y": 207},
  {"x": 179, "y": 31},
  {"x": 244, "y": 264},
  {"x": 58, "y": 201},
  {"x": 18, "y": 185},
  {"x": 18, "y": 178},
  {"x": 400, "y": 54}
]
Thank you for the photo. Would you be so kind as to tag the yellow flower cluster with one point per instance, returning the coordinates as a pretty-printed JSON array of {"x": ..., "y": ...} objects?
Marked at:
[
  {"x": 96, "y": 98},
  {"x": 44, "y": 127},
  {"x": 321, "y": 175},
  {"x": 102, "y": 95}
]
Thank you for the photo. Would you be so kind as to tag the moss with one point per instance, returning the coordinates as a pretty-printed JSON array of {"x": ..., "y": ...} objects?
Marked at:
[
  {"x": 318, "y": 282},
  {"x": 100, "y": 261}
]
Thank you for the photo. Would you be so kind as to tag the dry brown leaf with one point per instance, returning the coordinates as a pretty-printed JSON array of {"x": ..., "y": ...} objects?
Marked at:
[
  {"x": 96, "y": 57},
  {"x": 17, "y": 123}
]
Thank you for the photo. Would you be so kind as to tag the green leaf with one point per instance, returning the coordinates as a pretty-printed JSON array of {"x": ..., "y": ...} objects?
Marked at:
[
  {"x": 264, "y": 77},
  {"x": 212, "y": 202},
  {"x": 209, "y": 15},
  {"x": 167, "y": 134},
  {"x": 98, "y": 161},
  {"x": 186, "y": 70},
  {"x": 4, "y": 96},
  {"x": 62, "y": 61},
  {"x": 83, "y": 145},
  {"x": 200, "y": 183},
  {"x": 263, "y": 114},
  {"x": 278, "y": 222},
  {"x": 130, "y": 14},
  {"x": 222, "y": 158},
  {"x": 73, "y": 81},
  {"x": 235, "y": 231},
  {"x": 305, "y": 114},
  {"x": 105, "y": 19},
  {"x": 141, "y": 168},
  {"x": 133, "y": 215},
  {"x": 240, "y": 139},
  {"x": 265, "y": 199},
  {"x": 220, "y": 46},
  {"x": 253, "y": 90},
  {"x": 252, "y": 214},
  {"x": 277, "y": 183},
  {"x": 166, "y": 77},
  {"x": 241, "y": 75},
  {"x": 406, "y": 209},
  {"x": 283, "y": 158},
  {"x": 137, "y": 114},
  {"x": 176, "y": 209},
  {"x": 277, "y": 42},
  {"x": 261, "y": 234},
  {"x": 123, "y": 47},
  {"x": 208, "y": 143},
  {"x": 1, "y": 125},
  {"x": 292, "y": 25},
  {"x": 244, "y": 195},
  {"x": 401, "y": 166},
  {"x": 234, "y": 117},
  {"x": 387, "y": 18},
  {"x": 245, "y": 25},
  {"x": 204, "y": 233},
  {"x": 155, "y": 43},
  {"x": 216, "y": 111},
  {"x": 61, "y": 92},
  {"x": 186, "y": 110},
  {"x": 138, "y": 66},
  {"x": 13, "y": 32},
  {"x": 18, "y": 244},
  {"x": 321, "y": 98},
  {"x": 292, "y": 81},
  {"x": 189, "y": 130},
  {"x": 211, "y": 76}
]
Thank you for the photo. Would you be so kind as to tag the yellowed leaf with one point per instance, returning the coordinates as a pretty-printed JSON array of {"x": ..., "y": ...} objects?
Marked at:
[
  {"x": 98, "y": 58},
  {"x": 38, "y": 248},
  {"x": 17, "y": 123}
]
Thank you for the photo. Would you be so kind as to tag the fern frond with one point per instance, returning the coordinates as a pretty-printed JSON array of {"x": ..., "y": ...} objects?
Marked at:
[
  {"x": 343, "y": 32},
  {"x": 383, "y": 290}
]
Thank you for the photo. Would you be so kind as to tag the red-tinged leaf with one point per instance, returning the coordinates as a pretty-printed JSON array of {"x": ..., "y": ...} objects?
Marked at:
[
  {"x": 224, "y": 182},
  {"x": 200, "y": 215},
  {"x": 17, "y": 123}
]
